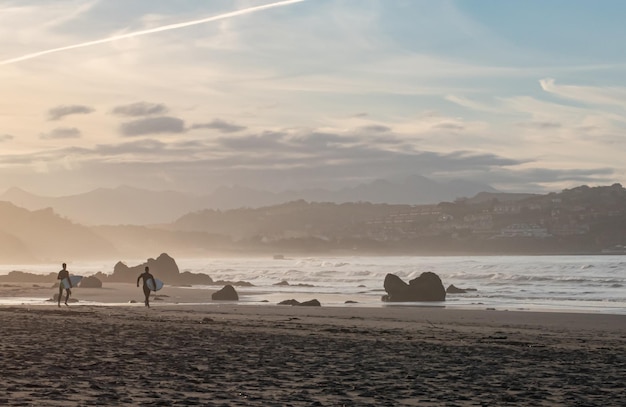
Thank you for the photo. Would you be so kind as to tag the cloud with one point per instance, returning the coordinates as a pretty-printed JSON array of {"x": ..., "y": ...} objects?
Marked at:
[
  {"x": 472, "y": 104},
  {"x": 269, "y": 141},
  {"x": 59, "y": 112},
  {"x": 5, "y": 137},
  {"x": 61, "y": 133},
  {"x": 153, "y": 125},
  {"x": 322, "y": 141},
  {"x": 139, "y": 147},
  {"x": 605, "y": 96},
  {"x": 220, "y": 125},
  {"x": 339, "y": 156},
  {"x": 314, "y": 153},
  {"x": 376, "y": 128},
  {"x": 140, "y": 109},
  {"x": 299, "y": 158},
  {"x": 536, "y": 125},
  {"x": 449, "y": 126}
]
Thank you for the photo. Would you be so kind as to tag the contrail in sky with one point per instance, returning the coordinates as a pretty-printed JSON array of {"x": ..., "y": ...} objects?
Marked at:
[{"x": 151, "y": 31}]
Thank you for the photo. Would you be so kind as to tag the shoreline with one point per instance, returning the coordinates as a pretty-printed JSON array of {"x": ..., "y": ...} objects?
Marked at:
[
  {"x": 127, "y": 294},
  {"x": 229, "y": 354}
]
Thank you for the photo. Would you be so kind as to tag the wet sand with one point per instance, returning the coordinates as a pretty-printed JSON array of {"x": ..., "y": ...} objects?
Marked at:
[
  {"x": 109, "y": 293},
  {"x": 250, "y": 355}
]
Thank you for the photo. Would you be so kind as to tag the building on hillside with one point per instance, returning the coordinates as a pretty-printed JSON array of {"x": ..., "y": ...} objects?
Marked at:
[
  {"x": 569, "y": 229},
  {"x": 507, "y": 208},
  {"x": 478, "y": 223},
  {"x": 523, "y": 230}
]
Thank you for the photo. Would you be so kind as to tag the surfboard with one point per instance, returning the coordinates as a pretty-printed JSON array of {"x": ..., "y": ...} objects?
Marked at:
[
  {"x": 74, "y": 279},
  {"x": 159, "y": 284}
]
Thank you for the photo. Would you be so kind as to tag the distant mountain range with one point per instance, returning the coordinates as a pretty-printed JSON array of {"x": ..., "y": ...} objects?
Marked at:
[
  {"x": 582, "y": 220},
  {"x": 135, "y": 206},
  {"x": 41, "y": 235}
]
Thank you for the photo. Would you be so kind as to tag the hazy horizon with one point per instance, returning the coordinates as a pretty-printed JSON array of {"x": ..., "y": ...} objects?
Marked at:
[
  {"x": 221, "y": 187},
  {"x": 278, "y": 95}
]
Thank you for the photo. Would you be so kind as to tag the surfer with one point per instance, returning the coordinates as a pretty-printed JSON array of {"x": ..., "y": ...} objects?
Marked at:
[
  {"x": 146, "y": 290},
  {"x": 64, "y": 274}
]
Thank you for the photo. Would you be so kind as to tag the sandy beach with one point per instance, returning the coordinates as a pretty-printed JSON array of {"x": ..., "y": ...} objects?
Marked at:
[{"x": 228, "y": 354}]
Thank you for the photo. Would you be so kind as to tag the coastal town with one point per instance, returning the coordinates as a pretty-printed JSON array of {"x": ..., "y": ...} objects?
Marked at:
[
  {"x": 579, "y": 220},
  {"x": 573, "y": 212}
]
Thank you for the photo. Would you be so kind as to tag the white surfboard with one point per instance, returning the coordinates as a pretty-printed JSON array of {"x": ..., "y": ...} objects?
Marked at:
[
  {"x": 159, "y": 284},
  {"x": 74, "y": 279}
]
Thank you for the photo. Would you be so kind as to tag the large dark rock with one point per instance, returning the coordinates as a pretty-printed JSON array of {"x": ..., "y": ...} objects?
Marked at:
[
  {"x": 163, "y": 267},
  {"x": 90, "y": 282},
  {"x": 190, "y": 278},
  {"x": 296, "y": 303},
  {"x": 227, "y": 293},
  {"x": 289, "y": 302},
  {"x": 310, "y": 303},
  {"x": 426, "y": 287},
  {"x": 452, "y": 289}
]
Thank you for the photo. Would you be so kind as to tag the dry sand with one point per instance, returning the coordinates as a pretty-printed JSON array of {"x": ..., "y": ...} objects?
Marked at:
[{"x": 245, "y": 355}]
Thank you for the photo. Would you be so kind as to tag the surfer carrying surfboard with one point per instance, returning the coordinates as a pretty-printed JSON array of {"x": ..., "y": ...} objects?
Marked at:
[
  {"x": 64, "y": 282},
  {"x": 146, "y": 289}
]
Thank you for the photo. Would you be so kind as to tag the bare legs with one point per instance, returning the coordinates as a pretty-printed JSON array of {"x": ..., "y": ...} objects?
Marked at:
[
  {"x": 67, "y": 296},
  {"x": 146, "y": 293}
]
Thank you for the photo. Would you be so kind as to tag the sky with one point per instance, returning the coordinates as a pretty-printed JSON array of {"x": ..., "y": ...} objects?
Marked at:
[{"x": 191, "y": 95}]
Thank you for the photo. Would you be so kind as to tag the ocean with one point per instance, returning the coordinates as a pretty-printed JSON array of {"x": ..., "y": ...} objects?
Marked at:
[{"x": 594, "y": 284}]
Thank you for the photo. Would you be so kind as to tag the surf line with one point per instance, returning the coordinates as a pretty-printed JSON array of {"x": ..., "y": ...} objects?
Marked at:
[{"x": 151, "y": 31}]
